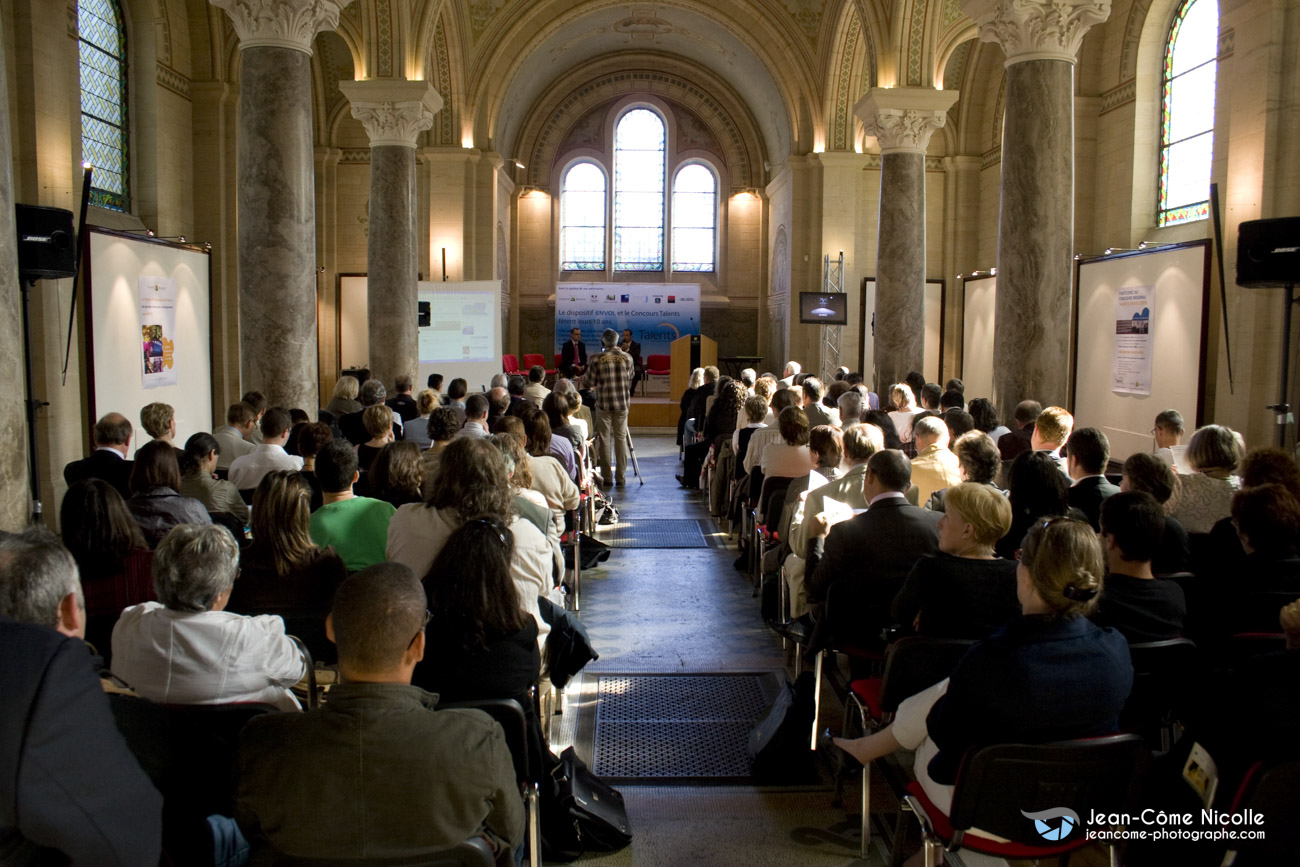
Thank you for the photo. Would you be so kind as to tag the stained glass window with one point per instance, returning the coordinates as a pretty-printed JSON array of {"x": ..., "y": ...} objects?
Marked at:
[
  {"x": 1187, "y": 115},
  {"x": 639, "y": 154},
  {"x": 582, "y": 218},
  {"x": 695, "y": 218},
  {"x": 102, "y": 44}
]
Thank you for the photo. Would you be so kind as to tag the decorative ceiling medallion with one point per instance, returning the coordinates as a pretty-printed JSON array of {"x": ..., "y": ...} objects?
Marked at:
[{"x": 644, "y": 24}]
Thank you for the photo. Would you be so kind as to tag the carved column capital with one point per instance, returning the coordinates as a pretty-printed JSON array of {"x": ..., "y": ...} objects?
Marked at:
[
  {"x": 1036, "y": 29},
  {"x": 394, "y": 112},
  {"x": 280, "y": 23},
  {"x": 903, "y": 118}
]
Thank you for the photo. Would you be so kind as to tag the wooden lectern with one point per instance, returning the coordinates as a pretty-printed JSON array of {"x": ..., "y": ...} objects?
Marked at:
[{"x": 688, "y": 353}]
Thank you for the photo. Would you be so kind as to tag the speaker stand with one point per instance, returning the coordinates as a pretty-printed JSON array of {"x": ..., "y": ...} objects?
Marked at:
[
  {"x": 1282, "y": 408},
  {"x": 33, "y": 404}
]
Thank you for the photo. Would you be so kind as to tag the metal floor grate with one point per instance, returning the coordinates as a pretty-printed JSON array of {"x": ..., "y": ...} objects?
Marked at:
[
  {"x": 654, "y": 533},
  {"x": 676, "y": 726}
]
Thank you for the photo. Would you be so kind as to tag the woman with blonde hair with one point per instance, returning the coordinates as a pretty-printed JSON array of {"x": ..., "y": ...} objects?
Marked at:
[
  {"x": 378, "y": 421},
  {"x": 1049, "y": 675},
  {"x": 345, "y": 400},
  {"x": 1204, "y": 495},
  {"x": 905, "y": 409},
  {"x": 417, "y": 429}
]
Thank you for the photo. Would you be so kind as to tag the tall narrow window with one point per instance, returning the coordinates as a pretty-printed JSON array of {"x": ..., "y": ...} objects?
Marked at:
[
  {"x": 582, "y": 219},
  {"x": 639, "y": 153},
  {"x": 1187, "y": 116},
  {"x": 695, "y": 218},
  {"x": 102, "y": 44}
]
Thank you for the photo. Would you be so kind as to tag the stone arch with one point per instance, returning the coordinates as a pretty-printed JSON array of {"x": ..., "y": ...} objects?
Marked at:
[
  {"x": 848, "y": 71},
  {"x": 444, "y": 66}
]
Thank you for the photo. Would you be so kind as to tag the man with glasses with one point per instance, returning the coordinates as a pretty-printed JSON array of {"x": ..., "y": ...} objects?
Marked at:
[{"x": 377, "y": 772}]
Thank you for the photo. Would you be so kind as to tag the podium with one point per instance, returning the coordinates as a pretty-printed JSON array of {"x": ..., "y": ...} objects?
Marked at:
[{"x": 687, "y": 353}]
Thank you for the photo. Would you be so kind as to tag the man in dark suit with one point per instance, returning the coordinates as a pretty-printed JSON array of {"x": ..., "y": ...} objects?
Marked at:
[
  {"x": 72, "y": 791},
  {"x": 403, "y": 403},
  {"x": 1018, "y": 441},
  {"x": 871, "y": 553},
  {"x": 632, "y": 348},
  {"x": 108, "y": 461},
  {"x": 573, "y": 355},
  {"x": 1089, "y": 450}
]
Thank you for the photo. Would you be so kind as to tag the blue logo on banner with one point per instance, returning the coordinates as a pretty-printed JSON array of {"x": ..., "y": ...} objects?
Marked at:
[
  {"x": 1069, "y": 820},
  {"x": 627, "y": 299}
]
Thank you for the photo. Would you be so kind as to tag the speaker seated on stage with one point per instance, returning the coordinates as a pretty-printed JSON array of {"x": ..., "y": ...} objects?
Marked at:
[{"x": 573, "y": 355}]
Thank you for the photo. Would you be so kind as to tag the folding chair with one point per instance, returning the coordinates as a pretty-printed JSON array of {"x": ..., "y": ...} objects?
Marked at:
[{"x": 773, "y": 488}]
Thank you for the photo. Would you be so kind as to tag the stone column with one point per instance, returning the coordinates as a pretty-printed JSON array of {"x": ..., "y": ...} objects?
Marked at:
[
  {"x": 15, "y": 502},
  {"x": 902, "y": 119},
  {"x": 1041, "y": 39},
  {"x": 276, "y": 206},
  {"x": 394, "y": 113}
]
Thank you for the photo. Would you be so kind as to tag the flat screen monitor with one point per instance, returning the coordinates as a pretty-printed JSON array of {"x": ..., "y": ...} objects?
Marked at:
[{"x": 820, "y": 308}]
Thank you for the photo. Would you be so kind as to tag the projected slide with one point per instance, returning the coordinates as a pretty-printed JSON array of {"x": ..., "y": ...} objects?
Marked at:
[{"x": 461, "y": 327}]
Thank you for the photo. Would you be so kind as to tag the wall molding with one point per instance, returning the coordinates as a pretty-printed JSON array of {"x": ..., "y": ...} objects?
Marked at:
[
  {"x": 1125, "y": 93},
  {"x": 173, "y": 80}
]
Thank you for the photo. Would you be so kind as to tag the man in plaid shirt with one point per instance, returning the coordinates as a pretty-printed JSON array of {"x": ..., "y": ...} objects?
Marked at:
[{"x": 609, "y": 375}]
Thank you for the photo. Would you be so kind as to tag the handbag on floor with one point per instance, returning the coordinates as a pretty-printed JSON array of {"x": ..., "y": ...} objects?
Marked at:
[{"x": 580, "y": 812}]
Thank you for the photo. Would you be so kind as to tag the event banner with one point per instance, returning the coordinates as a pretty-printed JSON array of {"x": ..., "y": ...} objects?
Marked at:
[
  {"x": 1131, "y": 373},
  {"x": 158, "y": 330},
  {"x": 657, "y": 313}
]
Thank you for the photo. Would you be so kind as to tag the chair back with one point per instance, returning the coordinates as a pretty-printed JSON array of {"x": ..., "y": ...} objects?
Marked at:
[
  {"x": 997, "y": 782},
  {"x": 509, "y": 364},
  {"x": 1258, "y": 610},
  {"x": 916, "y": 663},
  {"x": 1270, "y": 790},
  {"x": 658, "y": 365},
  {"x": 534, "y": 359},
  {"x": 509, "y": 713},
  {"x": 556, "y": 363},
  {"x": 1163, "y": 672},
  {"x": 474, "y": 852},
  {"x": 773, "y": 487}
]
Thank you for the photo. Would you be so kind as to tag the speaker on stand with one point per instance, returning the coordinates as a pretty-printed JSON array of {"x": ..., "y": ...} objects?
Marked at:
[{"x": 1268, "y": 257}]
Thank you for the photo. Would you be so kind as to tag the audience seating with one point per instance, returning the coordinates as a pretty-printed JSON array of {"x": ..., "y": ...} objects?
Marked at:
[
  {"x": 996, "y": 783},
  {"x": 531, "y": 360},
  {"x": 554, "y": 371},
  {"x": 1164, "y": 675},
  {"x": 772, "y": 489},
  {"x": 657, "y": 366},
  {"x": 1270, "y": 790},
  {"x": 474, "y": 852},
  {"x": 509, "y": 364}
]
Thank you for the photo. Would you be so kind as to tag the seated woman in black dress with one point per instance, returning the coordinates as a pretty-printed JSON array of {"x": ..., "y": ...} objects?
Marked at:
[
  {"x": 1049, "y": 675},
  {"x": 966, "y": 591},
  {"x": 1267, "y": 519}
]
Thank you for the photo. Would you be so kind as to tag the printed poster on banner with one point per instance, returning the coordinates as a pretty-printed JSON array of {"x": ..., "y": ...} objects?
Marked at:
[
  {"x": 158, "y": 330},
  {"x": 1131, "y": 373},
  {"x": 656, "y": 313}
]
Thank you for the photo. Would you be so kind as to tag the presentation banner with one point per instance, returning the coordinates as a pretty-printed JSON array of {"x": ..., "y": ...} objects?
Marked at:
[
  {"x": 1131, "y": 372},
  {"x": 158, "y": 330},
  {"x": 657, "y": 313}
]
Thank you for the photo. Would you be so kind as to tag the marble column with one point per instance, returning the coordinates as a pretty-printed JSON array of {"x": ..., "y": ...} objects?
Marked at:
[
  {"x": 276, "y": 205},
  {"x": 1041, "y": 39},
  {"x": 902, "y": 119},
  {"x": 15, "y": 502},
  {"x": 394, "y": 113}
]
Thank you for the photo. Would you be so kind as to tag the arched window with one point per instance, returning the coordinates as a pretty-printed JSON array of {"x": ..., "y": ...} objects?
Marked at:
[
  {"x": 1187, "y": 115},
  {"x": 102, "y": 44},
  {"x": 582, "y": 218},
  {"x": 639, "y": 158},
  {"x": 695, "y": 218}
]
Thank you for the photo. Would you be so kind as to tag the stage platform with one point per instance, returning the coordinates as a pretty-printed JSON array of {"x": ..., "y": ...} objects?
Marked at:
[{"x": 653, "y": 412}]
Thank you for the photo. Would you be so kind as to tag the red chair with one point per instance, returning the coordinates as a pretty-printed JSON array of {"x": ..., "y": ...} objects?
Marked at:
[
  {"x": 555, "y": 371},
  {"x": 532, "y": 359},
  {"x": 656, "y": 365},
  {"x": 509, "y": 364}
]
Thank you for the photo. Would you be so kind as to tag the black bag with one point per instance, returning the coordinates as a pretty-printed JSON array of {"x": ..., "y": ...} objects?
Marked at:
[
  {"x": 779, "y": 743},
  {"x": 594, "y": 552},
  {"x": 580, "y": 812},
  {"x": 770, "y": 597},
  {"x": 568, "y": 646}
]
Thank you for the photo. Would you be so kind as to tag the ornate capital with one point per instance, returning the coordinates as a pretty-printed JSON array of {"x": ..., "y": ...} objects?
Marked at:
[
  {"x": 393, "y": 111},
  {"x": 281, "y": 23},
  {"x": 903, "y": 118},
  {"x": 1036, "y": 29}
]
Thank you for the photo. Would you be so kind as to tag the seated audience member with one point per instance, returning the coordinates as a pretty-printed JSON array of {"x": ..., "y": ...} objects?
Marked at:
[
  {"x": 108, "y": 461},
  {"x": 958, "y": 421},
  {"x": 850, "y": 406},
  {"x": 311, "y": 439},
  {"x": 759, "y": 441},
  {"x": 198, "y": 465},
  {"x": 476, "y": 413},
  {"x": 344, "y": 402},
  {"x": 996, "y": 693},
  {"x": 535, "y": 392},
  {"x": 417, "y": 780},
  {"x": 883, "y": 420},
  {"x": 935, "y": 467},
  {"x": 357, "y": 527},
  {"x": 755, "y": 409},
  {"x": 233, "y": 435},
  {"x": 434, "y": 383},
  {"x": 1051, "y": 431},
  {"x": 556, "y": 408},
  {"x": 1205, "y": 494},
  {"x": 1020, "y": 440},
  {"x": 1140, "y": 606},
  {"x": 443, "y": 426},
  {"x": 1089, "y": 451},
  {"x": 529, "y": 503},
  {"x": 964, "y": 591},
  {"x": 283, "y": 570},
  {"x": 247, "y": 471},
  {"x": 931, "y": 394},
  {"x": 580, "y": 416},
  {"x": 812, "y": 406},
  {"x": 396, "y": 474},
  {"x": 515, "y": 387},
  {"x": 159, "y": 421},
  {"x": 155, "y": 503},
  {"x": 978, "y": 461},
  {"x": 457, "y": 391},
  {"x": 378, "y": 422},
  {"x": 951, "y": 399},
  {"x": 417, "y": 431},
  {"x": 1168, "y": 434},
  {"x": 498, "y": 402},
  {"x": 353, "y": 424},
  {"x": 1148, "y": 474},
  {"x": 915, "y": 380},
  {"x": 1037, "y": 490},
  {"x": 257, "y": 401},
  {"x": 763, "y": 387},
  {"x": 547, "y": 472},
  {"x": 543, "y": 442},
  {"x": 402, "y": 403},
  {"x": 1267, "y": 518},
  {"x": 985, "y": 417},
  {"x": 788, "y": 458},
  {"x": 903, "y": 402},
  {"x": 699, "y": 410},
  {"x": 73, "y": 792},
  {"x": 112, "y": 556},
  {"x": 718, "y": 426},
  {"x": 473, "y": 482},
  {"x": 791, "y": 370},
  {"x": 186, "y": 648},
  {"x": 956, "y": 385},
  {"x": 684, "y": 405}
]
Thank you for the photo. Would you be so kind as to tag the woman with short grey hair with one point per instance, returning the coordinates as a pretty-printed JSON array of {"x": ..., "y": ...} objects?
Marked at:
[{"x": 186, "y": 648}]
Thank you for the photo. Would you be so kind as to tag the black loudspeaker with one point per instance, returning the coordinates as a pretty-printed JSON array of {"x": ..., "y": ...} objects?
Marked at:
[
  {"x": 1268, "y": 252},
  {"x": 46, "y": 244}
]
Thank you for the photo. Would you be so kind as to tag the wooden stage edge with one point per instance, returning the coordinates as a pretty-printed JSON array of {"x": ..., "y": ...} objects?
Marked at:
[{"x": 652, "y": 412}]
